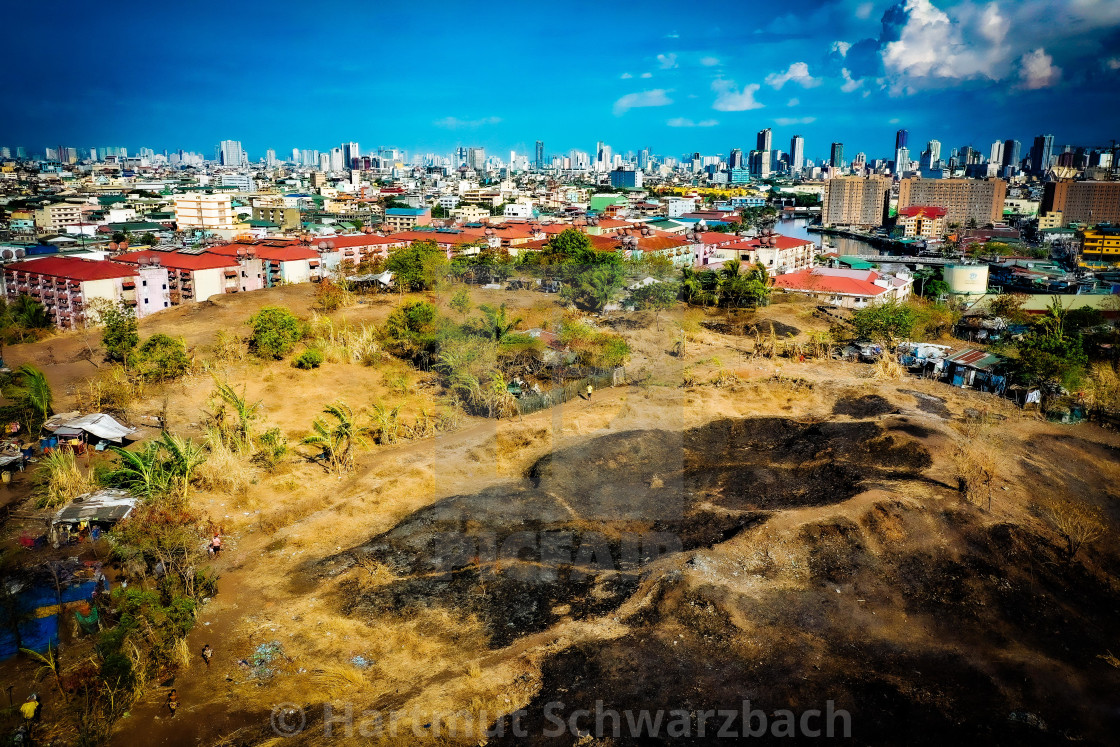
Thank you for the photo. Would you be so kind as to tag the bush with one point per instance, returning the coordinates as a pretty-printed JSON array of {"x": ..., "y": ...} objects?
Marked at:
[
  {"x": 308, "y": 359},
  {"x": 161, "y": 358},
  {"x": 121, "y": 330},
  {"x": 276, "y": 330}
]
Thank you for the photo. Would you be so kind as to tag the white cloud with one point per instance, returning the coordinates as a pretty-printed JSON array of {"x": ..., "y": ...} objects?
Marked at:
[
  {"x": 683, "y": 122},
  {"x": 787, "y": 121},
  {"x": 709, "y": 61},
  {"x": 850, "y": 84},
  {"x": 1037, "y": 70},
  {"x": 863, "y": 10},
  {"x": 626, "y": 76},
  {"x": 454, "y": 123},
  {"x": 731, "y": 99},
  {"x": 647, "y": 75},
  {"x": 1112, "y": 63},
  {"x": 667, "y": 61},
  {"x": 656, "y": 97},
  {"x": 841, "y": 47},
  {"x": 798, "y": 72},
  {"x": 672, "y": 35},
  {"x": 794, "y": 102}
]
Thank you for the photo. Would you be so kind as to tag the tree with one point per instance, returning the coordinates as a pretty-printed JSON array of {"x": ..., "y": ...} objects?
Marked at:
[
  {"x": 495, "y": 322},
  {"x": 439, "y": 211},
  {"x": 1050, "y": 357},
  {"x": 121, "y": 331},
  {"x": 461, "y": 301},
  {"x": 592, "y": 288},
  {"x": 161, "y": 358},
  {"x": 885, "y": 322},
  {"x": 276, "y": 330},
  {"x": 411, "y": 329},
  {"x": 37, "y": 390},
  {"x": 149, "y": 239},
  {"x": 655, "y": 297},
  {"x": 337, "y": 439},
  {"x": 1009, "y": 306},
  {"x": 183, "y": 457},
  {"x": 1075, "y": 522},
  {"x": 238, "y": 435},
  {"x": 418, "y": 266}
]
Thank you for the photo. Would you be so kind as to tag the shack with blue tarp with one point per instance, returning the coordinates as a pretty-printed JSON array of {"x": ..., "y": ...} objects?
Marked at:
[{"x": 977, "y": 369}]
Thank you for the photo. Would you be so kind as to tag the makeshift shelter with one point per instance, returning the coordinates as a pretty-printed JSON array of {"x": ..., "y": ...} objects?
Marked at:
[
  {"x": 97, "y": 428},
  {"x": 976, "y": 368},
  {"x": 101, "y": 509}
]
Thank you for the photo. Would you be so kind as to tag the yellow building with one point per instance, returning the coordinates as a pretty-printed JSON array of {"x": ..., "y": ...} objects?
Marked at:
[
  {"x": 207, "y": 212},
  {"x": 1101, "y": 245},
  {"x": 1053, "y": 219}
]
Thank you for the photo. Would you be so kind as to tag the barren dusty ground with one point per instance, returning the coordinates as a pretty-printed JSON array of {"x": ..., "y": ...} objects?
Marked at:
[{"x": 824, "y": 553}]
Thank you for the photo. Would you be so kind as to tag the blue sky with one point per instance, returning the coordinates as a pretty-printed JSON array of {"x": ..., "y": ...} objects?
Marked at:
[{"x": 675, "y": 77}]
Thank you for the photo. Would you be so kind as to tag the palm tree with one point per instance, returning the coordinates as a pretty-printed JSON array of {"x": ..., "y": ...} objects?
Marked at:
[
  {"x": 243, "y": 410},
  {"x": 49, "y": 666},
  {"x": 337, "y": 440},
  {"x": 140, "y": 472},
  {"x": 184, "y": 457},
  {"x": 496, "y": 323},
  {"x": 35, "y": 391},
  {"x": 387, "y": 422}
]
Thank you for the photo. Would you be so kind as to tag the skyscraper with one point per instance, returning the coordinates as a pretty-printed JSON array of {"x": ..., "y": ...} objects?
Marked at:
[
  {"x": 735, "y": 160},
  {"x": 1011, "y": 155},
  {"x": 837, "y": 159},
  {"x": 934, "y": 148},
  {"x": 336, "y": 160},
  {"x": 1042, "y": 153},
  {"x": 996, "y": 154},
  {"x": 476, "y": 158},
  {"x": 350, "y": 152},
  {"x": 796, "y": 153},
  {"x": 900, "y": 139},
  {"x": 764, "y": 143},
  {"x": 539, "y": 160},
  {"x": 270, "y": 157},
  {"x": 230, "y": 153},
  {"x": 901, "y": 160}
]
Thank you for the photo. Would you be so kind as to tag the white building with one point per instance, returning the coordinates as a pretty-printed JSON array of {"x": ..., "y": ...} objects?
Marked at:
[{"x": 206, "y": 212}]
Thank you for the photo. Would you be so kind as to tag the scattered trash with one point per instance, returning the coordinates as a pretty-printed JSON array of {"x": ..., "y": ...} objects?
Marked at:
[{"x": 360, "y": 662}]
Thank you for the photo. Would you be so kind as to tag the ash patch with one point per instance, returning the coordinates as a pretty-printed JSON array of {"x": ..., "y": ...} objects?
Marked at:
[
  {"x": 929, "y": 403},
  {"x": 576, "y": 535},
  {"x": 868, "y": 406}
]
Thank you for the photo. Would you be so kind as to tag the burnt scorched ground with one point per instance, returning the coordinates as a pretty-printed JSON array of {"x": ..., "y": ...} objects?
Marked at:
[
  {"x": 999, "y": 644},
  {"x": 575, "y": 536}
]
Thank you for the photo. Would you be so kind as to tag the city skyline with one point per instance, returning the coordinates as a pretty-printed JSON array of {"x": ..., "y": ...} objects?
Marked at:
[{"x": 836, "y": 71}]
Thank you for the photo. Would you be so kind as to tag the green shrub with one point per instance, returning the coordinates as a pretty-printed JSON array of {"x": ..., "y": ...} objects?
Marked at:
[
  {"x": 160, "y": 358},
  {"x": 308, "y": 359},
  {"x": 276, "y": 330}
]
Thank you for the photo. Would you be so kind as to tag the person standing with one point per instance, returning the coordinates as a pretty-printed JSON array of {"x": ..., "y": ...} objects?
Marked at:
[
  {"x": 207, "y": 654},
  {"x": 589, "y": 390},
  {"x": 173, "y": 701}
]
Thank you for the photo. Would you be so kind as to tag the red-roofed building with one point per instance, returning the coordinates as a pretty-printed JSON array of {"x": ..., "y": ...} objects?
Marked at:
[
  {"x": 923, "y": 220},
  {"x": 192, "y": 277},
  {"x": 67, "y": 285},
  {"x": 268, "y": 263},
  {"x": 850, "y": 289},
  {"x": 777, "y": 253},
  {"x": 707, "y": 252}
]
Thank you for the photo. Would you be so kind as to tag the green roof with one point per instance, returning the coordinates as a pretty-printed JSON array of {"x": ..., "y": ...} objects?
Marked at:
[
  {"x": 855, "y": 263},
  {"x": 140, "y": 225},
  {"x": 254, "y": 223}
]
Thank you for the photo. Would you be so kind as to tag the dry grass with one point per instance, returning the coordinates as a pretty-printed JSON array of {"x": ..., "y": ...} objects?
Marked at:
[
  {"x": 58, "y": 479},
  {"x": 887, "y": 368}
]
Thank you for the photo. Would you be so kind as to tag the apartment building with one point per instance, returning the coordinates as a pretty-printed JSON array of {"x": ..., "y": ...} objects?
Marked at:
[
  {"x": 1083, "y": 202},
  {"x": 66, "y": 286},
  {"x": 403, "y": 219},
  {"x": 54, "y": 218},
  {"x": 191, "y": 275},
  {"x": 849, "y": 289},
  {"x": 856, "y": 201},
  {"x": 922, "y": 221},
  {"x": 287, "y": 218},
  {"x": 206, "y": 212},
  {"x": 964, "y": 200},
  {"x": 1101, "y": 245},
  {"x": 778, "y": 254}
]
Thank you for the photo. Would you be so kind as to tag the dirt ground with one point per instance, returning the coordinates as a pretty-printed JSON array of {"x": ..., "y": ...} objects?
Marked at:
[{"x": 726, "y": 528}]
